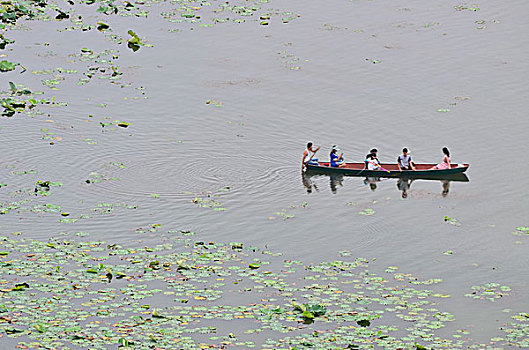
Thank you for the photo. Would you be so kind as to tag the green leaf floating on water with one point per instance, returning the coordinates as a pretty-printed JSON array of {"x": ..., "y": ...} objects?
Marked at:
[
  {"x": 5, "y": 41},
  {"x": 307, "y": 314},
  {"x": 364, "y": 323},
  {"x": 12, "y": 106},
  {"x": 64, "y": 303},
  {"x": 316, "y": 309},
  {"x": 155, "y": 314},
  {"x": 236, "y": 245},
  {"x": 102, "y": 26},
  {"x": 299, "y": 307},
  {"x": 6, "y": 66},
  {"x": 309, "y": 311},
  {"x": 67, "y": 221},
  {"x": 40, "y": 328},
  {"x": 11, "y": 330},
  {"x": 367, "y": 211},
  {"x": 254, "y": 266},
  {"x": 452, "y": 221},
  {"x": 489, "y": 291},
  {"x": 520, "y": 229},
  {"x": 43, "y": 187},
  {"x": 134, "y": 43},
  {"x": 20, "y": 286},
  {"x": 124, "y": 343}
]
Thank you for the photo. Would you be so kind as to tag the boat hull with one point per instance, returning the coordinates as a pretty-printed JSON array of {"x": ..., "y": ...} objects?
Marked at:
[{"x": 424, "y": 171}]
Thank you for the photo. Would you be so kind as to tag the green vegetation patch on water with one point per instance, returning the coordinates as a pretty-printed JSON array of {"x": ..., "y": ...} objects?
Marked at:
[{"x": 61, "y": 293}]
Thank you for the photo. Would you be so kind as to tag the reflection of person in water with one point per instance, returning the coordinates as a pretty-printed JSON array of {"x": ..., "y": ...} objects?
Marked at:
[
  {"x": 404, "y": 185},
  {"x": 335, "y": 180},
  {"x": 446, "y": 187},
  {"x": 307, "y": 182},
  {"x": 372, "y": 182}
]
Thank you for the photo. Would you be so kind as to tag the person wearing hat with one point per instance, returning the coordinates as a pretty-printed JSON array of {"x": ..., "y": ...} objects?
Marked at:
[
  {"x": 404, "y": 161},
  {"x": 336, "y": 160},
  {"x": 371, "y": 153}
]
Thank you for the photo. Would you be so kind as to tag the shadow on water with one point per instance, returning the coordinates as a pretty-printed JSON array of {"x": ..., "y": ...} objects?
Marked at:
[{"x": 403, "y": 183}]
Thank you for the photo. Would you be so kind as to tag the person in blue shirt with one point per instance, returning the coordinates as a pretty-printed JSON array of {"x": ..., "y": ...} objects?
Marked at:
[{"x": 336, "y": 160}]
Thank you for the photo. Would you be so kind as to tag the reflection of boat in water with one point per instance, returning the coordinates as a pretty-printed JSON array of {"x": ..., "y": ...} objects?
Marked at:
[
  {"x": 308, "y": 183},
  {"x": 403, "y": 183},
  {"x": 423, "y": 171},
  {"x": 334, "y": 181},
  {"x": 372, "y": 182}
]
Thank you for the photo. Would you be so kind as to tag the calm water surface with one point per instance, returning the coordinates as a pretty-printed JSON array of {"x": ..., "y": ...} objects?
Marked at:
[{"x": 371, "y": 74}]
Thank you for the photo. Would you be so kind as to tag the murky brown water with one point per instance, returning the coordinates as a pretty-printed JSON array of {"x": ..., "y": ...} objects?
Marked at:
[{"x": 359, "y": 74}]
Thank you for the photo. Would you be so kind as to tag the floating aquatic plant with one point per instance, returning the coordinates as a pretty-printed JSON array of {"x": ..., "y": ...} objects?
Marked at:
[
  {"x": 489, "y": 291},
  {"x": 452, "y": 221}
]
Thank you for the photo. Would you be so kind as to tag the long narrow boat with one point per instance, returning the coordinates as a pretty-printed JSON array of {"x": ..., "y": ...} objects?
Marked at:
[{"x": 423, "y": 171}]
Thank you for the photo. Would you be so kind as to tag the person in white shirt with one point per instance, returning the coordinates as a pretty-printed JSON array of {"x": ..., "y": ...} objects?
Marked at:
[
  {"x": 306, "y": 155},
  {"x": 372, "y": 162},
  {"x": 368, "y": 156},
  {"x": 404, "y": 161}
]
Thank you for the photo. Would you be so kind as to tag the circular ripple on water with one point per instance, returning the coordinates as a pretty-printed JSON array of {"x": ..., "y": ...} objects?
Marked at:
[{"x": 163, "y": 170}]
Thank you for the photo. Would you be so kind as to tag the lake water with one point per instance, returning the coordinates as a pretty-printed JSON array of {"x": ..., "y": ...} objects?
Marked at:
[{"x": 220, "y": 116}]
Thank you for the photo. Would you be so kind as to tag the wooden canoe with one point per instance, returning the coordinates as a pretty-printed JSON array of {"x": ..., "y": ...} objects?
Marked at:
[{"x": 422, "y": 170}]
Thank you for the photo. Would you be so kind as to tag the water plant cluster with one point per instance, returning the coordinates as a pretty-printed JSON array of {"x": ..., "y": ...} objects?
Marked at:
[
  {"x": 186, "y": 293},
  {"x": 72, "y": 291}
]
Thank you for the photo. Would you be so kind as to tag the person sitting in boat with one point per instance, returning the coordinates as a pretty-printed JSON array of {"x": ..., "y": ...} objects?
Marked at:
[
  {"x": 368, "y": 156},
  {"x": 306, "y": 155},
  {"x": 336, "y": 160},
  {"x": 404, "y": 161},
  {"x": 372, "y": 162},
  {"x": 445, "y": 164}
]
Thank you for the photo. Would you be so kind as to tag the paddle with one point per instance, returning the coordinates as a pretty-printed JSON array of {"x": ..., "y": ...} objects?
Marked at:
[
  {"x": 304, "y": 168},
  {"x": 378, "y": 165},
  {"x": 313, "y": 154}
]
